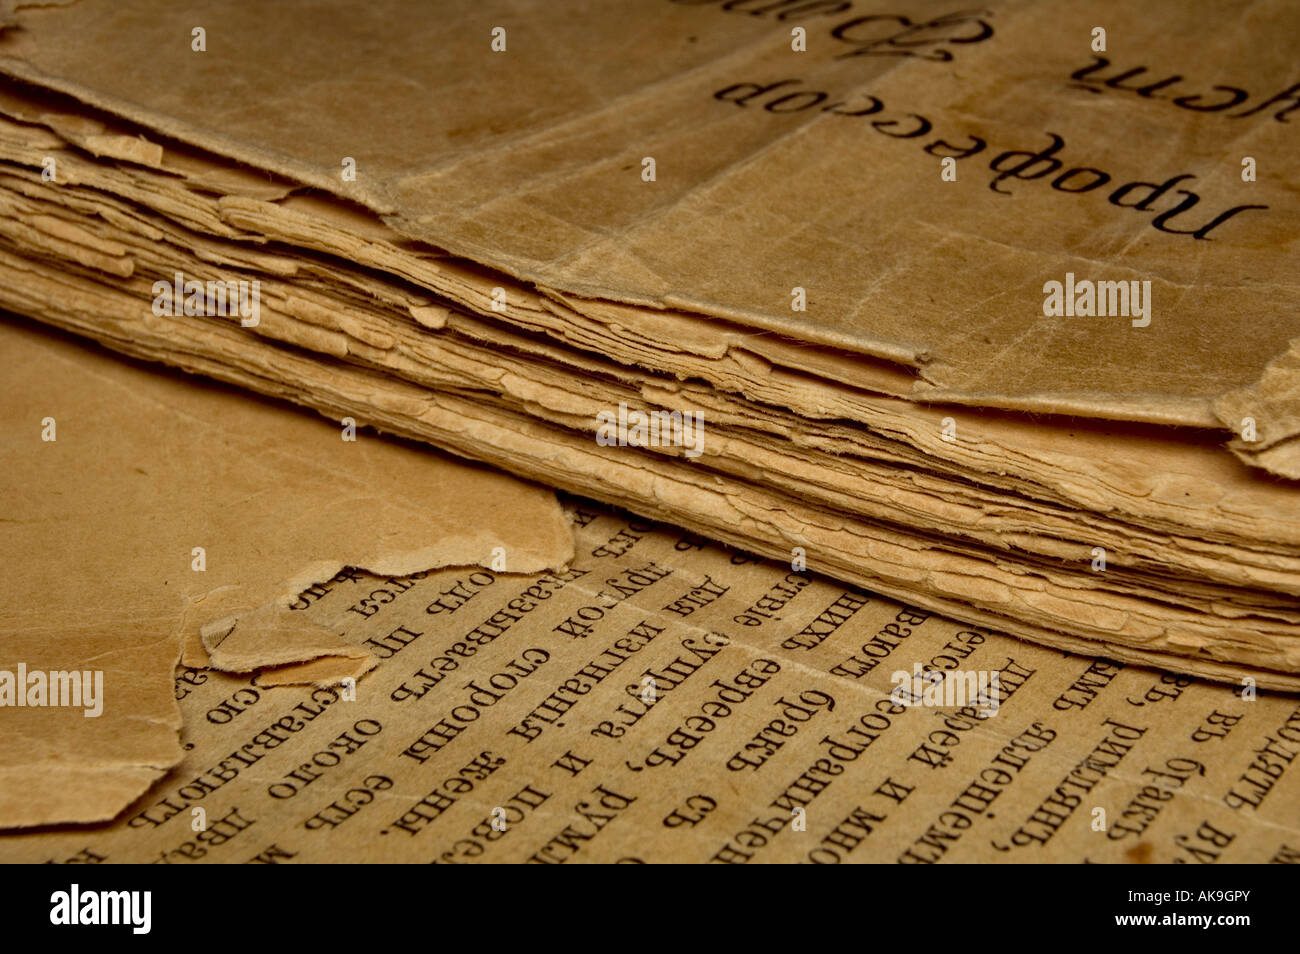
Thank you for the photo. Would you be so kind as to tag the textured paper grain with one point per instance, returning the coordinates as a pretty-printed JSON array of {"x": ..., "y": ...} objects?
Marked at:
[
  {"x": 510, "y": 720},
  {"x": 102, "y": 522},
  {"x": 1234, "y": 528},
  {"x": 1204, "y": 558},
  {"x": 534, "y": 162}
]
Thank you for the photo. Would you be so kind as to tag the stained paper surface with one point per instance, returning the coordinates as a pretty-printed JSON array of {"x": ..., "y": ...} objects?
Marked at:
[
  {"x": 669, "y": 700},
  {"x": 831, "y": 232},
  {"x": 1063, "y": 531},
  {"x": 533, "y": 164},
  {"x": 102, "y": 522}
]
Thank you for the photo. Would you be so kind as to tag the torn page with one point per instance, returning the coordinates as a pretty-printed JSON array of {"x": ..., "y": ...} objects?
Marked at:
[
  {"x": 665, "y": 699},
  {"x": 139, "y": 504}
]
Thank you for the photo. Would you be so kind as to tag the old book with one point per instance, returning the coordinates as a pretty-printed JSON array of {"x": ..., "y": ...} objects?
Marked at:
[
  {"x": 1072, "y": 533},
  {"x": 925, "y": 309}
]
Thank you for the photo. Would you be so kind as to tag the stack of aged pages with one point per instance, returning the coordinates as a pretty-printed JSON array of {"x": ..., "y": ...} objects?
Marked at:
[{"x": 960, "y": 307}]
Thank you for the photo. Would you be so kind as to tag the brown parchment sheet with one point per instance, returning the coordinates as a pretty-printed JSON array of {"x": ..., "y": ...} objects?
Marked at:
[
  {"x": 778, "y": 168},
  {"x": 666, "y": 699},
  {"x": 141, "y": 509},
  {"x": 497, "y": 273}
]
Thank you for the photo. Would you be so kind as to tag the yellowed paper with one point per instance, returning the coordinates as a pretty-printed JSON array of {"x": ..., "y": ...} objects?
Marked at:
[
  {"x": 1197, "y": 626},
  {"x": 1142, "y": 543},
  {"x": 669, "y": 700},
  {"x": 137, "y": 504},
  {"x": 1125, "y": 166}
]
